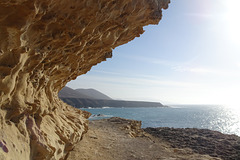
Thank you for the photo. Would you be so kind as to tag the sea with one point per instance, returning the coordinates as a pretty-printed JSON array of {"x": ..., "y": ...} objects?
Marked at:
[{"x": 213, "y": 117}]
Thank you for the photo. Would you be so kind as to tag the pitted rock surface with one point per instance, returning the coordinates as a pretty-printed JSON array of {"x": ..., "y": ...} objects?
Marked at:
[{"x": 43, "y": 45}]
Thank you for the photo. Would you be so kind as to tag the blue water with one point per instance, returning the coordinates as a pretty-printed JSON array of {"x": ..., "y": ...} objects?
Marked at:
[{"x": 217, "y": 118}]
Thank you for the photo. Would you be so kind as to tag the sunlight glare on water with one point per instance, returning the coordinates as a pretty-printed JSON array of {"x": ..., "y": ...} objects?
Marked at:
[
  {"x": 226, "y": 120},
  {"x": 219, "y": 118}
]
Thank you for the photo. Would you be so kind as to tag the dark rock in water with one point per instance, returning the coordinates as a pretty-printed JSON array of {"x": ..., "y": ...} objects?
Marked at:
[
  {"x": 202, "y": 141},
  {"x": 98, "y": 115}
]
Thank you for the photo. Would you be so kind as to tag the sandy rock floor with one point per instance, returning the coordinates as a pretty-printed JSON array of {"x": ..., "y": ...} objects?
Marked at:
[{"x": 121, "y": 139}]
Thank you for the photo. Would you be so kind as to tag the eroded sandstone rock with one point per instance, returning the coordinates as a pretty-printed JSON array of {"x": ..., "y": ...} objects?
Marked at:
[{"x": 43, "y": 45}]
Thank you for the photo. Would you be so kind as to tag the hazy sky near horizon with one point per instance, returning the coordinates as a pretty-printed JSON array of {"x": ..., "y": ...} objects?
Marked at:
[{"x": 191, "y": 57}]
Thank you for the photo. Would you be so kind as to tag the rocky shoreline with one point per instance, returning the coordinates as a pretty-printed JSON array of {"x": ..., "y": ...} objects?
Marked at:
[
  {"x": 201, "y": 141},
  {"x": 121, "y": 139}
]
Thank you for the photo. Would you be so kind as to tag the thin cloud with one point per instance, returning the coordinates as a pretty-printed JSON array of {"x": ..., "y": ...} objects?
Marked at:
[
  {"x": 137, "y": 81},
  {"x": 106, "y": 72},
  {"x": 150, "y": 60},
  {"x": 200, "y": 15},
  {"x": 193, "y": 69},
  {"x": 208, "y": 71}
]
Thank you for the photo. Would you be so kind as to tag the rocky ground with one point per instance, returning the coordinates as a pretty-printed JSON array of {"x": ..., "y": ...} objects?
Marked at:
[
  {"x": 201, "y": 141},
  {"x": 121, "y": 139}
]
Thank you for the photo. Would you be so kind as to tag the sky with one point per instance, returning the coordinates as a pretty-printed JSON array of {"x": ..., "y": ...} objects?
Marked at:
[{"x": 191, "y": 57}]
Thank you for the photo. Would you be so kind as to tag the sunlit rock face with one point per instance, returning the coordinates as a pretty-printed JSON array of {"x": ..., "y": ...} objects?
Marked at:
[{"x": 43, "y": 45}]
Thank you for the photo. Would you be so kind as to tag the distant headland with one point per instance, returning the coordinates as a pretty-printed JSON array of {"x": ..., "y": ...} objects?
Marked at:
[{"x": 91, "y": 98}]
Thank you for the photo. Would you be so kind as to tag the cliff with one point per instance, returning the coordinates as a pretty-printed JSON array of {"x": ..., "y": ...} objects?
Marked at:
[
  {"x": 45, "y": 44},
  {"x": 97, "y": 103},
  {"x": 84, "y": 98}
]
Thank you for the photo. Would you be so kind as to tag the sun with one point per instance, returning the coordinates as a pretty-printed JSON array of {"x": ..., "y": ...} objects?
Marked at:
[
  {"x": 231, "y": 100},
  {"x": 233, "y": 20}
]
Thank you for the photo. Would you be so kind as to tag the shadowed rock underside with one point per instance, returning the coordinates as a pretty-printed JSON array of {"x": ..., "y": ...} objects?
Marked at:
[{"x": 43, "y": 45}]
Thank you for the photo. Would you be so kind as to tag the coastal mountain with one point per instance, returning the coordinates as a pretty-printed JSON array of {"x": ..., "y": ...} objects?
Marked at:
[
  {"x": 84, "y": 98},
  {"x": 67, "y": 92},
  {"x": 94, "y": 94}
]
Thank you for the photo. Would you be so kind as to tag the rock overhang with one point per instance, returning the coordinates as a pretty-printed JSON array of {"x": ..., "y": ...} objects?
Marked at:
[{"x": 45, "y": 44}]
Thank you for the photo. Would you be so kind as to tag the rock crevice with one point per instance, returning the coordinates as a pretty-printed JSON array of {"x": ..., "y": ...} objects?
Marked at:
[{"x": 45, "y": 44}]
